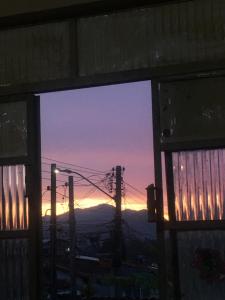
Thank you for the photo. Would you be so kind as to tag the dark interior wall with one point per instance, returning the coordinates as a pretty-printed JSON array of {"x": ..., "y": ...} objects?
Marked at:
[{"x": 119, "y": 46}]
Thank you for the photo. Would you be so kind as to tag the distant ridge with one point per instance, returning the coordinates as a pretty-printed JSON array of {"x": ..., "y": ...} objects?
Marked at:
[{"x": 89, "y": 218}]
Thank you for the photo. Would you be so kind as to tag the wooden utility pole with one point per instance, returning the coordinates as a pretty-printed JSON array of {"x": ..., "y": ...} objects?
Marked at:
[
  {"x": 118, "y": 236},
  {"x": 53, "y": 289},
  {"x": 73, "y": 240}
]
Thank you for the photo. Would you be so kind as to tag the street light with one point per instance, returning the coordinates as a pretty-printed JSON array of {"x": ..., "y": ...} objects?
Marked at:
[{"x": 68, "y": 171}]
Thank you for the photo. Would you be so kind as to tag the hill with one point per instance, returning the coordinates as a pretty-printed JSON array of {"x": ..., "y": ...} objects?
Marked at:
[{"x": 98, "y": 217}]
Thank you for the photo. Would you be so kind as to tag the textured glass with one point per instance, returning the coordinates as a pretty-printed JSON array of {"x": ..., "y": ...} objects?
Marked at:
[
  {"x": 13, "y": 129},
  {"x": 165, "y": 200},
  {"x": 162, "y": 35},
  {"x": 192, "y": 110},
  {"x": 14, "y": 278},
  {"x": 13, "y": 199},
  {"x": 168, "y": 264},
  {"x": 34, "y": 54},
  {"x": 199, "y": 185},
  {"x": 202, "y": 264}
]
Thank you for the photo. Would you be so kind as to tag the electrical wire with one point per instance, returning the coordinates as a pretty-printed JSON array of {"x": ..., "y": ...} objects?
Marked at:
[
  {"x": 135, "y": 196},
  {"x": 134, "y": 188},
  {"x": 74, "y": 165},
  {"x": 44, "y": 192},
  {"x": 48, "y": 172},
  {"x": 45, "y": 178},
  {"x": 89, "y": 193},
  {"x": 62, "y": 195},
  {"x": 77, "y": 176}
]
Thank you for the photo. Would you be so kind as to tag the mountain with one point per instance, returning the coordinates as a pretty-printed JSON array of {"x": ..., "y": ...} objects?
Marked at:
[{"x": 99, "y": 217}]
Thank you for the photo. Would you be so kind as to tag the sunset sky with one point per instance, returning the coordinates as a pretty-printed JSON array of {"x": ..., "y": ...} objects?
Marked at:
[{"x": 100, "y": 128}]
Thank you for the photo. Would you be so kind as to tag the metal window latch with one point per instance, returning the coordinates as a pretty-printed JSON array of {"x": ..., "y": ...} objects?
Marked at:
[{"x": 151, "y": 203}]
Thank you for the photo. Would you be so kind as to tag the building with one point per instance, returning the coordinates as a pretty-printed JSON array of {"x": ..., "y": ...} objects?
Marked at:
[{"x": 180, "y": 46}]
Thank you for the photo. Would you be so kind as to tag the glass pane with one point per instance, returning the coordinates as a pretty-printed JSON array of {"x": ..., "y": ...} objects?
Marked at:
[
  {"x": 162, "y": 35},
  {"x": 202, "y": 264},
  {"x": 13, "y": 129},
  {"x": 35, "y": 53},
  {"x": 199, "y": 185},
  {"x": 169, "y": 265},
  {"x": 192, "y": 110},
  {"x": 14, "y": 278},
  {"x": 13, "y": 199}
]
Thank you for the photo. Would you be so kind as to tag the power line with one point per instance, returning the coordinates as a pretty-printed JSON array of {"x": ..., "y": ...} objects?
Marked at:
[
  {"x": 131, "y": 192},
  {"x": 45, "y": 178},
  {"x": 134, "y": 188},
  {"x": 76, "y": 185},
  {"x": 44, "y": 192},
  {"x": 75, "y": 182},
  {"x": 135, "y": 199},
  {"x": 77, "y": 166},
  {"x": 44, "y": 163},
  {"x": 89, "y": 193},
  {"x": 63, "y": 195},
  {"x": 109, "y": 202},
  {"x": 76, "y": 203},
  {"x": 48, "y": 172},
  {"x": 89, "y": 176},
  {"x": 77, "y": 176}
]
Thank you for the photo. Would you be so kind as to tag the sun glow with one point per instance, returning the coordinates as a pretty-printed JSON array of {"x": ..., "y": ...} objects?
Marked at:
[{"x": 62, "y": 207}]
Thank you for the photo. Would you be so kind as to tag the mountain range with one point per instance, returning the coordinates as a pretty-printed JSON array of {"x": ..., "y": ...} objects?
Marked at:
[{"x": 99, "y": 217}]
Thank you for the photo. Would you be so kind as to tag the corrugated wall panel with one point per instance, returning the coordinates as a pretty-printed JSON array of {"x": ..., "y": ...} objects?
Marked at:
[
  {"x": 35, "y": 54},
  {"x": 13, "y": 199},
  {"x": 14, "y": 274},
  {"x": 199, "y": 185},
  {"x": 13, "y": 129},
  {"x": 158, "y": 36},
  {"x": 192, "y": 110}
]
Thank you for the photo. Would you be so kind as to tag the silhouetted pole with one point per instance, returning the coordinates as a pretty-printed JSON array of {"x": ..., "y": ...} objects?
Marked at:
[
  {"x": 117, "y": 260},
  {"x": 53, "y": 288},
  {"x": 73, "y": 240}
]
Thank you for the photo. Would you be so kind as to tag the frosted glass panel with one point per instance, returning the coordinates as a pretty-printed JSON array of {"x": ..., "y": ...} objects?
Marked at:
[
  {"x": 14, "y": 277},
  {"x": 13, "y": 199},
  {"x": 162, "y": 35},
  {"x": 34, "y": 54},
  {"x": 202, "y": 265},
  {"x": 192, "y": 110},
  {"x": 13, "y": 129},
  {"x": 199, "y": 185}
]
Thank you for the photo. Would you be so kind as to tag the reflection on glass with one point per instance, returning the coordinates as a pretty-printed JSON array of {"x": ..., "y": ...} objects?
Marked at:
[
  {"x": 199, "y": 178},
  {"x": 202, "y": 264},
  {"x": 185, "y": 32},
  {"x": 13, "y": 200},
  {"x": 192, "y": 110},
  {"x": 13, "y": 129},
  {"x": 14, "y": 278}
]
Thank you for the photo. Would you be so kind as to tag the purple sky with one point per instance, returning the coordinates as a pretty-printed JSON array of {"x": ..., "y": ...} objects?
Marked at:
[{"x": 100, "y": 128}]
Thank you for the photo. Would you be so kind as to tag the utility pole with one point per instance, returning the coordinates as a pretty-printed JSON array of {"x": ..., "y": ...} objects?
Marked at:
[
  {"x": 118, "y": 234},
  {"x": 73, "y": 240},
  {"x": 53, "y": 289}
]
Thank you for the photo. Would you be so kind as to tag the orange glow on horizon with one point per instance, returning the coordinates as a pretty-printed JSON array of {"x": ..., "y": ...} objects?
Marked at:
[{"x": 88, "y": 203}]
